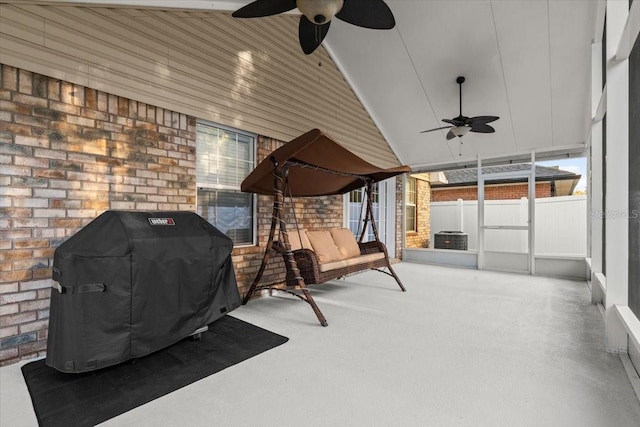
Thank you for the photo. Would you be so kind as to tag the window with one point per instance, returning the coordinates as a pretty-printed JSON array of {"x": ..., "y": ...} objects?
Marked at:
[
  {"x": 411, "y": 202},
  {"x": 224, "y": 157}
]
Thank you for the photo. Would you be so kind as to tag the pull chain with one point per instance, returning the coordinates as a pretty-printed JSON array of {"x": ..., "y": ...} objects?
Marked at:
[{"x": 318, "y": 36}]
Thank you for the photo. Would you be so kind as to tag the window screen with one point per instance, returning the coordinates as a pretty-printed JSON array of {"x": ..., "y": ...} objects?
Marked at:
[{"x": 224, "y": 157}]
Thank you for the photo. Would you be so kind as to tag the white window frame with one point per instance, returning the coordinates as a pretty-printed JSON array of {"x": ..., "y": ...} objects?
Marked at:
[
  {"x": 208, "y": 186},
  {"x": 412, "y": 202}
]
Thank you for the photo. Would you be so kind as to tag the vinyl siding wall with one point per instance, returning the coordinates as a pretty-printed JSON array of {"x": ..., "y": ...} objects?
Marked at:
[{"x": 247, "y": 74}]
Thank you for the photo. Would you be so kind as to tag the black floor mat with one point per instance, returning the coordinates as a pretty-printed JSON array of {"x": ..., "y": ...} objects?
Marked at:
[{"x": 90, "y": 398}]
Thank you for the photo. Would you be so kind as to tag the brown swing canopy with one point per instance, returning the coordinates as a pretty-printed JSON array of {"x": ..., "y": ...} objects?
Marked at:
[{"x": 318, "y": 166}]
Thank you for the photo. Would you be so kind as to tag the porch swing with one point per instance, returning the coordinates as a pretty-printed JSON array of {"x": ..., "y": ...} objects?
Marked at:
[{"x": 314, "y": 165}]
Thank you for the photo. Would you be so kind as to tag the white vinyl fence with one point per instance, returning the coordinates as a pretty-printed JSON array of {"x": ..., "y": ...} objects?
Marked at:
[{"x": 560, "y": 224}]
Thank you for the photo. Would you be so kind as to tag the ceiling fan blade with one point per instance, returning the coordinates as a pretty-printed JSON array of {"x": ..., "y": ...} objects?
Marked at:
[
  {"x": 454, "y": 122},
  {"x": 450, "y": 135},
  {"x": 483, "y": 120},
  {"x": 311, "y": 35},
  {"x": 368, "y": 14},
  {"x": 482, "y": 128},
  {"x": 431, "y": 130},
  {"x": 261, "y": 8}
]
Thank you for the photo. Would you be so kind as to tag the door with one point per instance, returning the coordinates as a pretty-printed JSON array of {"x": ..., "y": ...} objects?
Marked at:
[
  {"x": 505, "y": 225},
  {"x": 383, "y": 212}
]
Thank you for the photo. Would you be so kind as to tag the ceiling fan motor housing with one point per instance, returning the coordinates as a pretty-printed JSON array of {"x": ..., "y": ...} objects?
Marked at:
[{"x": 319, "y": 11}]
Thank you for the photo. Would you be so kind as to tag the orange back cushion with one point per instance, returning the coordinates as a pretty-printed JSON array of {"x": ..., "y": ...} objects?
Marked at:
[
  {"x": 298, "y": 239},
  {"x": 323, "y": 245},
  {"x": 346, "y": 242}
]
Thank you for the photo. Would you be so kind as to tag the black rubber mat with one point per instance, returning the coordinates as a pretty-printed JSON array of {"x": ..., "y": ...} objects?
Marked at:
[{"x": 63, "y": 399}]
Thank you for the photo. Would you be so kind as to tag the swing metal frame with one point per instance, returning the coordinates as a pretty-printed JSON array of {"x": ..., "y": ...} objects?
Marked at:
[{"x": 295, "y": 281}]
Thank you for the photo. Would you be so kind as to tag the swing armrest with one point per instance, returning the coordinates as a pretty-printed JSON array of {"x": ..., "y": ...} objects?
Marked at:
[
  {"x": 372, "y": 248},
  {"x": 307, "y": 259},
  {"x": 308, "y": 265}
]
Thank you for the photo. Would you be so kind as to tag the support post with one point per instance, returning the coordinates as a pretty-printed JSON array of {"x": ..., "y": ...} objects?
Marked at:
[
  {"x": 617, "y": 179},
  {"x": 365, "y": 221},
  {"x": 279, "y": 174},
  {"x": 275, "y": 214},
  {"x": 369, "y": 217}
]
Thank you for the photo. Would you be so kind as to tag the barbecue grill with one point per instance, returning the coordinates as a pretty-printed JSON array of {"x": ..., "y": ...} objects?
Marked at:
[{"x": 131, "y": 283}]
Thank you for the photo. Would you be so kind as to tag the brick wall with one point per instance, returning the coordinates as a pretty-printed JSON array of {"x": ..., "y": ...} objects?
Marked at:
[
  {"x": 399, "y": 205},
  {"x": 68, "y": 153},
  {"x": 491, "y": 192},
  {"x": 420, "y": 238}
]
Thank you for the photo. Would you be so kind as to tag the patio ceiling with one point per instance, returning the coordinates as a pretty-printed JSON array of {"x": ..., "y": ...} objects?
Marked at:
[{"x": 528, "y": 62}]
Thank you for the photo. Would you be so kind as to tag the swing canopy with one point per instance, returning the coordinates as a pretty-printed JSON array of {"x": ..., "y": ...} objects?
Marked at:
[{"x": 317, "y": 166}]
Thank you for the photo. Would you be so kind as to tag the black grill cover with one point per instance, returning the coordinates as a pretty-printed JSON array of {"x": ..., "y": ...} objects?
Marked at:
[{"x": 131, "y": 283}]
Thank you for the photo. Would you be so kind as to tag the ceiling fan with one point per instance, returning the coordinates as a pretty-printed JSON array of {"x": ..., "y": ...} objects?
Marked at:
[
  {"x": 317, "y": 14},
  {"x": 459, "y": 126}
]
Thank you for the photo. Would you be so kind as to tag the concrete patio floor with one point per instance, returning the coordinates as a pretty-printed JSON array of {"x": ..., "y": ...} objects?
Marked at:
[{"x": 460, "y": 348}]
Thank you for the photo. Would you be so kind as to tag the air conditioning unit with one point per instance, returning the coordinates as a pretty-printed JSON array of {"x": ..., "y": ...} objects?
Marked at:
[{"x": 451, "y": 240}]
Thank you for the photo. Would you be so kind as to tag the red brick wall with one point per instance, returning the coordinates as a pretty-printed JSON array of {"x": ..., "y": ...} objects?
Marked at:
[
  {"x": 491, "y": 192},
  {"x": 420, "y": 238},
  {"x": 68, "y": 153},
  {"x": 399, "y": 205}
]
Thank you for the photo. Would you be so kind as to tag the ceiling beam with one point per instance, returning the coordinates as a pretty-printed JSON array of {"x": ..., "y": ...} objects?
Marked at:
[
  {"x": 599, "y": 21},
  {"x": 224, "y": 5},
  {"x": 601, "y": 110},
  {"x": 547, "y": 153},
  {"x": 629, "y": 33}
]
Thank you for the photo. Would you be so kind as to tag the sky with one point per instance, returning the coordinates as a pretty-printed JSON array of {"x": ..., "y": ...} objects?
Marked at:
[{"x": 576, "y": 165}]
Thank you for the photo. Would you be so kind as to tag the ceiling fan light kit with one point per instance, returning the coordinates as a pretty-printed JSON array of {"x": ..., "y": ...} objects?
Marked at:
[
  {"x": 317, "y": 14},
  {"x": 319, "y": 11},
  {"x": 459, "y": 131}
]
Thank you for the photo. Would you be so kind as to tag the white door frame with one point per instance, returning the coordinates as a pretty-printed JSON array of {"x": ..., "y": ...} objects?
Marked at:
[{"x": 530, "y": 227}]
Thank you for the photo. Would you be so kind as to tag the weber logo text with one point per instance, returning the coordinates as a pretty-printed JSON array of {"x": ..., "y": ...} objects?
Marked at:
[{"x": 162, "y": 221}]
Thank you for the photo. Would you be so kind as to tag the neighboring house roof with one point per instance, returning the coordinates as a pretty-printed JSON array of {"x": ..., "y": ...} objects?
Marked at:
[{"x": 469, "y": 176}]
